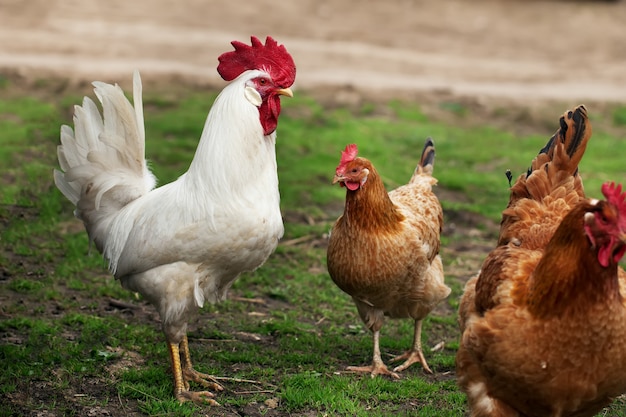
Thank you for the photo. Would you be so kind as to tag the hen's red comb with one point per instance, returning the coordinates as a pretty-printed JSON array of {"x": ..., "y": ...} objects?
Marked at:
[
  {"x": 347, "y": 156},
  {"x": 271, "y": 58},
  {"x": 615, "y": 196}
]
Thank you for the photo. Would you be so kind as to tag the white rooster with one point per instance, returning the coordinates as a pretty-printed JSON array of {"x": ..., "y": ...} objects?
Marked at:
[{"x": 184, "y": 243}]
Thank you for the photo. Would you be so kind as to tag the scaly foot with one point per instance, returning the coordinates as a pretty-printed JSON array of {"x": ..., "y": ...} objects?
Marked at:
[
  {"x": 207, "y": 381},
  {"x": 373, "y": 370},
  {"x": 411, "y": 357},
  {"x": 198, "y": 397}
]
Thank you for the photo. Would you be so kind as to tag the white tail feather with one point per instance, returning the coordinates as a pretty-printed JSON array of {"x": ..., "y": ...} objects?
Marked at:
[
  {"x": 138, "y": 100},
  {"x": 102, "y": 159}
]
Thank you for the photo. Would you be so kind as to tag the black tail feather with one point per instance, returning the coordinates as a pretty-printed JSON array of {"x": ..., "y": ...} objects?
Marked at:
[{"x": 428, "y": 153}]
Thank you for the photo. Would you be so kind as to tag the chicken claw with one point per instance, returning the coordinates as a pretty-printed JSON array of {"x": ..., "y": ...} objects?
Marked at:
[
  {"x": 191, "y": 375},
  {"x": 184, "y": 372},
  {"x": 414, "y": 355},
  {"x": 373, "y": 370},
  {"x": 207, "y": 381},
  {"x": 377, "y": 367},
  {"x": 411, "y": 356},
  {"x": 200, "y": 397}
]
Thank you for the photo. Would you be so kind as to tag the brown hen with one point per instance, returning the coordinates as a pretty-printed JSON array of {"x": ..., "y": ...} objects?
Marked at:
[
  {"x": 384, "y": 250},
  {"x": 544, "y": 323}
]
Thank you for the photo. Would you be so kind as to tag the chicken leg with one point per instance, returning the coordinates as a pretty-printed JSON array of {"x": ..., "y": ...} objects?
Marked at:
[
  {"x": 183, "y": 373},
  {"x": 377, "y": 367},
  {"x": 415, "y": 354}
]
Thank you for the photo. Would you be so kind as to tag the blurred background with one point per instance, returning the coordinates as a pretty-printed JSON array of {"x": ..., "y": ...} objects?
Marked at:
[{"x": 564, "y": 50}]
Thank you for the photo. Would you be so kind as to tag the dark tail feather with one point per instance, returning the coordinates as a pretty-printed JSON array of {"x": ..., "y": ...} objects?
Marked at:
[
  {"x": 574, "y": 132},
  {"x": 427, "y": 161},
  {"x": 555, "y": 165}
]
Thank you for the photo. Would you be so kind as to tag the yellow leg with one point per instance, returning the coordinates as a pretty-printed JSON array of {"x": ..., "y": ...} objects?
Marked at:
[
  {"x": 190, "y": 374},
  {"x": 181, "y": 386}
]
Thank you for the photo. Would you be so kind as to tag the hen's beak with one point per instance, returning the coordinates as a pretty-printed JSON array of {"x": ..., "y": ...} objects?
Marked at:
[
  {"x": 285, "y": 92},
  {"x": 337, "y": 178}
]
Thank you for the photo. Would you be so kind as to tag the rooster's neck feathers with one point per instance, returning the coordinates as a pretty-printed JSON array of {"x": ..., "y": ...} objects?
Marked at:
[{"x": 233, "y": 155}]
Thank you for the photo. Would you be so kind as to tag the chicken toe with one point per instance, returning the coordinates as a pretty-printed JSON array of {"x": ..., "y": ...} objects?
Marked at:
[
  {"x": 197, "y": 397},
  {"x": 414, "y": 355},
  {"x": 374, "y": 369},
  {"x": 190, "y": 374},
  {"x": 411, "y": 357},
  {"x": 207, "y": 381},
  {"x": 377, "y": 367},
  {"x": 184, "y": 372}
]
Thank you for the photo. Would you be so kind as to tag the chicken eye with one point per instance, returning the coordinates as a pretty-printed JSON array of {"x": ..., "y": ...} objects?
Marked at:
[
  {"x": 263, "y": 81},
  {"x": 605, "y": 217},
  {"x": 354, "y": 170}
]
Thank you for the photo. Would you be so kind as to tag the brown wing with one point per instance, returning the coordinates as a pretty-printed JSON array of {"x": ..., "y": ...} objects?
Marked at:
[{"x": 504, "y": 265}]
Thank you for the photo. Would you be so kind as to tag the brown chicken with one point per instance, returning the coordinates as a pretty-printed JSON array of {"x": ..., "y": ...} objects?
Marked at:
[
  {"x": 544, "y": 323},
  {"x": 384, "y": 250}
]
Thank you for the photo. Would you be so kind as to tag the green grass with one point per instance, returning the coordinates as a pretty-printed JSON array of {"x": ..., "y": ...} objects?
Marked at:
[{"x": 288, "y": 329}]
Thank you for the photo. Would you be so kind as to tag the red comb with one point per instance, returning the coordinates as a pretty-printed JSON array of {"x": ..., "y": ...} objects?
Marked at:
[
  {"x": 347, "y": 156},
  {"x": 271, "y": 57},
  {"x": 615, "y": 196}
]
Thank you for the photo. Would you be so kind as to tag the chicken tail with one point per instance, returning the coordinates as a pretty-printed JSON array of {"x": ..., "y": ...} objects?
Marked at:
[
  {"x": 426, "y": 164},
  {"x": 558, "y": 160},
  {"x": 553, "y": 172},
  {"x": 102, "y": 161}
]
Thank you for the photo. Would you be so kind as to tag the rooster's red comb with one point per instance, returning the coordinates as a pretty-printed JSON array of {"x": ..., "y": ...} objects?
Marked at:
[
  {"x": 347, "y": 156},
  {"x": 271, "y": 57},
  {"x": 615, "y": 196}
]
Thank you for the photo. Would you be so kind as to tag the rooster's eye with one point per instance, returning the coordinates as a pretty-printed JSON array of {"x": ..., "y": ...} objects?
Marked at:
[{"x": 263, "y": 81}]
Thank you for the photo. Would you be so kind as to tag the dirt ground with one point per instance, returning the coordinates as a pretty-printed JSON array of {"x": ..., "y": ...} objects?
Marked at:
[{"x": 514, "y": 49}]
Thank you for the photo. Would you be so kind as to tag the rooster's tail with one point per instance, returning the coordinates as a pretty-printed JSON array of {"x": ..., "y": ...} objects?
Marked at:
[
  {"x": 427, "y": 160},
  {"x": 102, "y": 159},
  {"x": 554, "y": 171}
]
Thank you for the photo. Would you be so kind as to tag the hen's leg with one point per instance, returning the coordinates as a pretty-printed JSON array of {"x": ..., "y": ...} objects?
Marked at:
[
  {"x": 181, "y": 387},
  {"x": 190, "y": 374},
  {"x": 415, "y": 354},
  {"x": 377, "y": 367}
]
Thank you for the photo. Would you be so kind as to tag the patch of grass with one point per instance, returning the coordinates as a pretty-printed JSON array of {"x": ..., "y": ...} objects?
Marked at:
[
  {"x": 619, "y": 116},
  {"x": 287, "y": 332}
]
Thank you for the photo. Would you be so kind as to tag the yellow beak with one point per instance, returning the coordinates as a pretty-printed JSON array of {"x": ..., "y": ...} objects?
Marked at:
[{"x": 285, "y": 92}]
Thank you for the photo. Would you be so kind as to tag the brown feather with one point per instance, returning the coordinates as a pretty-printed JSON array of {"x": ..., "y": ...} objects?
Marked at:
[
  {"x": 543, "y": 323},
  {"x": 383, "y": 251},
  {"x": 552, "y": 186}
]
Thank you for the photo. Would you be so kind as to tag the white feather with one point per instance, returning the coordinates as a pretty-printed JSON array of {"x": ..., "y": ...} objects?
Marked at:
[{"x": 183, "y": 243}]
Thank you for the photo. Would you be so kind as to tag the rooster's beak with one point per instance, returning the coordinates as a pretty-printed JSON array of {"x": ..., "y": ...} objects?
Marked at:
[{"x": 285, "y": 92}]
